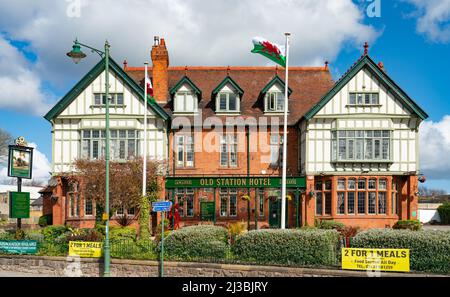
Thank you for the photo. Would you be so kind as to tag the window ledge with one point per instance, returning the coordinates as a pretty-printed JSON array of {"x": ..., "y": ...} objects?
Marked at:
[
  {"x": 186, "y": 112},
  {"x": 275, "y": 112},
  {"x": 111, "y": 105},
  {"x": 361, "y": 162},
  {"x": 228, "y": 113},
  {"x": 363, "y": 105}
]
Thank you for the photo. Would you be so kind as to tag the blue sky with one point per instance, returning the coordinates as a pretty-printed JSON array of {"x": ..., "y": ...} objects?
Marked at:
[{"x": 413, "y": 46}]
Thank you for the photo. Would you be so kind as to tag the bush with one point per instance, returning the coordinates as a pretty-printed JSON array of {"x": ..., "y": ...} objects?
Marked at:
[
  {"x": 328, "y": 224},
  {"x": 304, "y": 247},
  {"x": 121, "y": 233},
  {"x": 84, "y": 234},
  {"x": 429, "y": 249},
  {"x": 235, "y": 229},
  {"x": 129, "y": 249},
  {"x": 197, "y": 242},
  {"x": 413, "y": 225},
  {"x": 444, "y": 213},
  {"x": 6, "y": 235},
  {"x": 45, "y": 220},
  {"x": 51, "y": 233}
]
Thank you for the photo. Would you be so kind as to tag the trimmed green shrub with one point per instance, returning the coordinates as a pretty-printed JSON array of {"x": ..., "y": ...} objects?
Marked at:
[
  {"x": 328, "y": 224},
  {"x": 45, "y": 220},
  {"x": 304, "y": 247},
  {"x": 444, "y": 213},
  {"x": 196, "y": 242},
  {"x": 120, "y": 233},
  {"x": 429, "y": 249},
  {"x": 413, "y": 225}
]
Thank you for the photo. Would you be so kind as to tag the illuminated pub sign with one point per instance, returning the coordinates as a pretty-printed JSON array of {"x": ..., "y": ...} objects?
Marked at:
[{"x": 233, "y": 182}]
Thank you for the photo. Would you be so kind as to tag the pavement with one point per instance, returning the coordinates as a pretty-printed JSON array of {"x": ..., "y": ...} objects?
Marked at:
[{"x": 437, "y": 227}]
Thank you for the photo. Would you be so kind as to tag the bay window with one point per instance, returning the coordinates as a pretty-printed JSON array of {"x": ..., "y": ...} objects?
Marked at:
[
  {"x": 124, "y": 144},
  {"x": 360, "y": 145}
]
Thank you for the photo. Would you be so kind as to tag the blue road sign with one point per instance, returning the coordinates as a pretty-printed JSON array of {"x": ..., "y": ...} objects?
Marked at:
[{"x": 161, "y": 206}]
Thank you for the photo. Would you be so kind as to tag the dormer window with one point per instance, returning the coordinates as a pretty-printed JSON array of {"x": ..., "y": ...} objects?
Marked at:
[
  {"x": 228, "y": 102},
  {"x": 228, "y": 96},
  {"x": 273, "y": 95},
  {"x": 185, "y": 96},
  {"x": 185, "y": 101},
  {"x": 274, "y": 102}
]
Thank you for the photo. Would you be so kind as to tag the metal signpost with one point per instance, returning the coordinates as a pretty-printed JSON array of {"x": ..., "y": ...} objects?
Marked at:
[
  {"x": 20, "y": 165},
  {"x": 162, "y": 206}
]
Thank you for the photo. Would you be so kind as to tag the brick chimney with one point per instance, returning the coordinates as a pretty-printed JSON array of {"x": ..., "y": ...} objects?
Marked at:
[{"x": 160, "y": 60}]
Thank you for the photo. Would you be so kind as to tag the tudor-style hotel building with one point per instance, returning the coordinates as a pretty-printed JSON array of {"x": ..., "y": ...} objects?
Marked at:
[{"x": 352, "y": 144}]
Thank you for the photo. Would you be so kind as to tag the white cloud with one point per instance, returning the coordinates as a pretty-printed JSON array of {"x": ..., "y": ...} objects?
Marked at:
[
  {"x": 197, "y": 32},
  {"x": 41, "y": 169},
  {"x": 433, "y": 18},
  {"x": 20, "y": 86},
  {"x": 435, "y": 148}
]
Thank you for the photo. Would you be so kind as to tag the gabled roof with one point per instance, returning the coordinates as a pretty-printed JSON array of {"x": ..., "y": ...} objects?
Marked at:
[
  {"x": 366, "y": 62},
  {"x": 308, "y": 84},
  {"x": 276, "y": 80},
  {"x": 228, "y": 80},
  {"x": 185, "y": 80},
  {"x": 90, "y": 77}
]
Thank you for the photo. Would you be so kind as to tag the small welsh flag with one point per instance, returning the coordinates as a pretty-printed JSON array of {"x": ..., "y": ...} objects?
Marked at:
[
  {"x": 149, "y": 87},
  {"x": 270, "y": 50}
]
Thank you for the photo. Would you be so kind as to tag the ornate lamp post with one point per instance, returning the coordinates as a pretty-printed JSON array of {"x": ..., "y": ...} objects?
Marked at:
[{"x": 76, "y": 54}]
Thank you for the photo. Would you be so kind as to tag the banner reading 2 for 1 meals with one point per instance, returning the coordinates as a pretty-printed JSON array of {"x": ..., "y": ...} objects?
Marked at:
[
  {"x": 85, "y": 249},
  {"x": 375, "y": 259}
]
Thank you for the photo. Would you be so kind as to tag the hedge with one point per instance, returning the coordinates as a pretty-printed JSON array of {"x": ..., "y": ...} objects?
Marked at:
[
  {"x": 444, "y": 213},
  {"x": 429, "y": 249},
  {"x": 197, "y": 242},
  {"x": 274, "y": 246}
]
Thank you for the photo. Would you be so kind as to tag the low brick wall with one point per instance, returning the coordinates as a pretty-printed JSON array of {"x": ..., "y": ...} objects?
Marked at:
[{"x": 58, "y": 266}]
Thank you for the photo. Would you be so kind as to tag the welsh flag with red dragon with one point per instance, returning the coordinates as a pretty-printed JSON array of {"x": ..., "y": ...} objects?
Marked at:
[{"x": 269, "y": 50}]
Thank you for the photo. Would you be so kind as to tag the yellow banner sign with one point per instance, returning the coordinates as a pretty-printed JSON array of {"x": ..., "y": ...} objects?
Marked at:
[
  {"x": 85, "y": 249},
  {"x": 375, "y": 259}
]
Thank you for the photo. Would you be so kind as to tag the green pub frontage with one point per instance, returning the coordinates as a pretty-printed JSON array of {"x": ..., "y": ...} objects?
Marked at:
[{"x": 255, "y": 200}]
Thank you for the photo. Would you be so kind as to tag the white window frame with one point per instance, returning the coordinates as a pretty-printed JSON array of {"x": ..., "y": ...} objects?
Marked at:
[
  {"x": 227, "y": 102},
  {"x": 183, "y": 95},
  {"x": 228, "y": 145},
  {"x": 363, "y": 98},
  {"x": 277, "y": 97},
  {"x": 346, "y": 145},
  {"x": 184, "y": 143},
  {"x": 113, "y": 99}
]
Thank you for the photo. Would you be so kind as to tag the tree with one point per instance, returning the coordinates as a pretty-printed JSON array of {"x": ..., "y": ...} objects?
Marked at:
[
  {"x": 427, "y": 192},
  {"x": 125, "y": 184},
  {"x": 5, "y": 140}
]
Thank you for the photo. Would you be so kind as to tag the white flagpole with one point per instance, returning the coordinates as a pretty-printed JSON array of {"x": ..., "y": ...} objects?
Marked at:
[
  {"x": 144, "y": 165},
  {"x": 283, "y": 179}
]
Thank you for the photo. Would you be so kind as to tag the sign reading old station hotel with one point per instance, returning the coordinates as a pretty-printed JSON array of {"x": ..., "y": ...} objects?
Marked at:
[
  {"x": 224, "y": 182},
  {"x": 352, "y": 144}
]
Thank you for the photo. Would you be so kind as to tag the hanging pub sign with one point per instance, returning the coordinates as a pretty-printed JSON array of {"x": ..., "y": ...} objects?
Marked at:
[{"x": 20, "y": 160}]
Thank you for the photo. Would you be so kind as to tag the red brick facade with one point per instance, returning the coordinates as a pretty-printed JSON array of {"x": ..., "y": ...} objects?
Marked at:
[{"x": 383, "y": 200}]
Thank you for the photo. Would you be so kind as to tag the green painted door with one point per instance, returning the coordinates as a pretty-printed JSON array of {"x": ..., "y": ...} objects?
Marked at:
[{"x": 274, "y": 213}]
